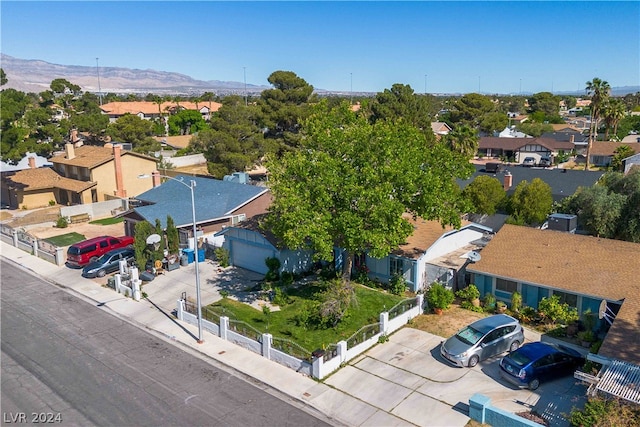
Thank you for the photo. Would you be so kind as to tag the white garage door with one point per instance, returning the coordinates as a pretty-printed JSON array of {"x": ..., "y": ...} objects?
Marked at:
[{"x": 249, "y": 257}]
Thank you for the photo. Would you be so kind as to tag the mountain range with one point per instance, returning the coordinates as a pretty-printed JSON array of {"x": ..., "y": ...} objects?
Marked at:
[{"x": 32, "y": 75}]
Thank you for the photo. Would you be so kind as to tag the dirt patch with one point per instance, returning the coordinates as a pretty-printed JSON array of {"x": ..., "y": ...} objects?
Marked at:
[
  {"x": 5, "y": 215},
  {"x": 448, "y": 323},
  {"x": 84, "y": 228},
  {"x": 35, "y": 217}
]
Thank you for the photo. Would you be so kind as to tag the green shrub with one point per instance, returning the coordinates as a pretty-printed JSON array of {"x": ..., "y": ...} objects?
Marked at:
[
  {"x": 469, "y": 293},
  {"x": 52, "y": 202},
  {"x": 516, "y": 301},
  {"x": 439, "y": 297},
  {"x": 397, "y": 284},
  {"x": 62, "y": 222},
  {"x": 489, "y": 302},
  {"x": 552, "y": 310},
  {"x": 273, "y": 264},
  {"x": 280, "y": 297},
  {"x": 222, "y": 255},
  {"x": 286, "y": 278}
]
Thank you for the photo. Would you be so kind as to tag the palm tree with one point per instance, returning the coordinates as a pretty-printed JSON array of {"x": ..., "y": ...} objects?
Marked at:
[
  {"x": 463, "y": 139},
  {"x": 613, "y": 112},
  {"x": 599, "y": 91}
]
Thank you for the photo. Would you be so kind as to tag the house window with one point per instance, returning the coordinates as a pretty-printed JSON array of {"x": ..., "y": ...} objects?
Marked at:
[
  {"x": 236, "y": 219},
  {"x": 570, "y": 299},
  {"x": 506, "y": 286},
  {"x": 396, "y": 266}
]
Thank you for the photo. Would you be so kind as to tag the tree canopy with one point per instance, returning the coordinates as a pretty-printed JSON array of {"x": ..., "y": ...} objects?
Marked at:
[
  {"x": 486, "y": 193},
  {"x": 531, "y": 203},
  {"x": 351, "y": 182}
]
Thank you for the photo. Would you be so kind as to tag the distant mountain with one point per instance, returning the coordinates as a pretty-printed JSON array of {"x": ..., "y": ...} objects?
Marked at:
[
  {"x": 28, "y": 75},
  {"x": 32, "y": 75}
]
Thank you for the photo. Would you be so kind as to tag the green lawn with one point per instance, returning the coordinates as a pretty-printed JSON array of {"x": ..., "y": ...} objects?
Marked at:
[
  {"x": 107, "y": 221},
  {"x": 284, "y": 324},
  {"x": 65, "y": 239}
]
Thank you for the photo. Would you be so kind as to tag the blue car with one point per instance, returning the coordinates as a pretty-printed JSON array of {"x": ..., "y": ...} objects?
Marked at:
[{"x": 538, "y": 361}]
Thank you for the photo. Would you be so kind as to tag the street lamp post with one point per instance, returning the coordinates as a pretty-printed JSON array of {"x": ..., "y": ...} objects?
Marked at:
[{"x": 191, "y": 186}]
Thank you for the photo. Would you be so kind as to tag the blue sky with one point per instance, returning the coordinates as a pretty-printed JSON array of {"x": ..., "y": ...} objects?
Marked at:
[{"x": 445, "y": 46}]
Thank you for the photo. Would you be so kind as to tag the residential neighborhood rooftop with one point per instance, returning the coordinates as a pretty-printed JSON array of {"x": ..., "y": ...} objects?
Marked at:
[{"x": 601, "y": 268}]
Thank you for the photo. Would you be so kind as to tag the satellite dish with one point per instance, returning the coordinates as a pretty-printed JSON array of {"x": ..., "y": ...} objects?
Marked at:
[
  {"x": 474, "y": 256},
  {"x": 153, "y": 239},
  {"x": 604, "y": 312},
  {"x": 603, "y": 308}
]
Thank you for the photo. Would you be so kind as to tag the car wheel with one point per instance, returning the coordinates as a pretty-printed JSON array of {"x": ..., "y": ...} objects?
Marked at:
[
  {"x": 514, "y": 346},
  {"x": 101, "y": 273},
  {"x": 534, "y": 384},
  {"x": 473, "y": 361}
]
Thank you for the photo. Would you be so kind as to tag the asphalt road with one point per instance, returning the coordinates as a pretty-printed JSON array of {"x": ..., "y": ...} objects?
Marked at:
[{"x": 69, "y": 362}]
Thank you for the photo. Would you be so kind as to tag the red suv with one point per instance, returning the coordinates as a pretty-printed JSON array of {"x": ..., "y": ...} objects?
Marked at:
[{"x": 82, "y": 253}]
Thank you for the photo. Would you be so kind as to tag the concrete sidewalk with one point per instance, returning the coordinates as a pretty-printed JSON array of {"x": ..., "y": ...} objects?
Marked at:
[{"x": 155, "y": 315}]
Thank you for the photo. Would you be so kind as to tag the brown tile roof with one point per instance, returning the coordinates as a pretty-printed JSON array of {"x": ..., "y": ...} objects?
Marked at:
[
  {"x": 517, "y": 143},
  {"x": 43, "y": 178},
  {"x": 151, "y": 108},
  {"x": 563, "y": 127},
  {"x": 91, "y": 156},
  {"x": 600, "y": 268},
  {"x": 607, "y": 148}
]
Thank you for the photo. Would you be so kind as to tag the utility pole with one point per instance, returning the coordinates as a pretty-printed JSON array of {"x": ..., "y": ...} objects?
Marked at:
[
  {"x": 244, "y": 69},
  {"x": 425, "y": 84},
  {"x": 351, "y": 89},
  {"x": 99, "y": 89}
]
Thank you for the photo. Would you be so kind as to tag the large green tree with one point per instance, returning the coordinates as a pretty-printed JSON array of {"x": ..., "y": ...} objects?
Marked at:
[
  {"x": 285, "y": 106},
  {"x": 470, "y": 109},
  {"x": 186, "y": 122},
  {"x": 486, "y": 193},
  {"x": 613, "y": 111},
  {"x": 531, "y": 202},
  {"x": 351, "y": 183},
  {"x": 546, "y": 103},
  {"x": 133, "y": 129},
  {"x": 401, "y": 102},
  {"x": 462, "y": 139},
  {"x": 599, "y": 91}
]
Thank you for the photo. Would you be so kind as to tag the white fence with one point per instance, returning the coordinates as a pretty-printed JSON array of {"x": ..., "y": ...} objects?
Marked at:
[
  {"x": 96, "y": 210},
  {"x": 319, "y": 364}
]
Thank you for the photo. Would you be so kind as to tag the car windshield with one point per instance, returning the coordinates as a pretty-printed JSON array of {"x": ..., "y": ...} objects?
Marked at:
[
  {"x": 103, "y": 258},
  {"x": 469, "y": 335}
]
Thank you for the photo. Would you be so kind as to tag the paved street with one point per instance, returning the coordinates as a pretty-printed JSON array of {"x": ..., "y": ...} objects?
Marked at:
[{"x": 62, "y": 355}]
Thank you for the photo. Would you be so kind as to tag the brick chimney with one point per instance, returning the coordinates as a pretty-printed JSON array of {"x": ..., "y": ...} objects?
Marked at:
[
  {"x": 32, "y": 162},
  {"x": 508, "y": 180},
  {"x": 74, "y": 136},
  {"x": 70, "y": 150},
  {"x": 155, "y": 178},
  {"x": 572, "y": 138},
  {"x": 117, "y": 163}
]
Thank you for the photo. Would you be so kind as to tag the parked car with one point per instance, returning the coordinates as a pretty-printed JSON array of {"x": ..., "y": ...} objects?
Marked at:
[
  {"x": 108, "y": 263},
  {"x": 82, "y": 253},
  {"x": 544, "y": 162},
  {"x": 529, "y": 161},
  {"x": 493, "y": 167},
  {"x": 482, "y": 339},
  {"x": 538, "y": 361}
]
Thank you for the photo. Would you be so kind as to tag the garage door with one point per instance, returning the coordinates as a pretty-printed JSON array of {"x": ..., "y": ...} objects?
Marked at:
[{"x": 249, "y": 257}]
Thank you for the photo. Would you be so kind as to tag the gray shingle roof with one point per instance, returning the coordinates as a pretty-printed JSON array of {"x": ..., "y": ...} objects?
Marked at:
[
  {"x": 562, "y": 184},
  {"x": 213, "y": 199}
]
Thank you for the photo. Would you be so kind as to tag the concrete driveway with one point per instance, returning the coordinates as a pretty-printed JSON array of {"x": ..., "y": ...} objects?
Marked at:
[{"x": 408, "y": 378}]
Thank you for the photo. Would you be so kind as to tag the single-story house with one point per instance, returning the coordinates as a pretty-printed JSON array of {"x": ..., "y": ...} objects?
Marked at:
[
  {"x": 602, "y": 152},
  {"x": 218, "y": 204},
  {"x": 563, "y": 182},
  {"x": 582, "y": 270},
  {"x": 433, "y": 253},
  {"x": 519, "y": 148},
  {"x": 249, "y": 246}
]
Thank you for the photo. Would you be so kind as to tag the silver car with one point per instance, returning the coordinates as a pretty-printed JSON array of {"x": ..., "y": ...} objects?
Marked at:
[{"x": 483, "y": 339}]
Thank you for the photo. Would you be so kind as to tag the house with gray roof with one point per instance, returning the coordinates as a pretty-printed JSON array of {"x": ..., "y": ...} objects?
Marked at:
[
  {"x": 218, "y": 204},
  {"x": 519, "y": 148}
]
